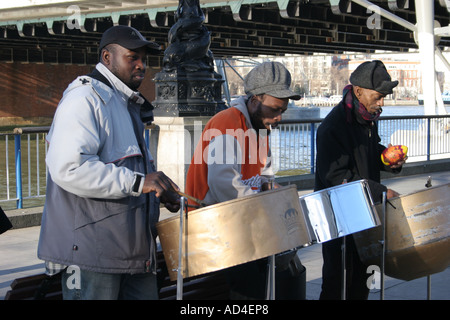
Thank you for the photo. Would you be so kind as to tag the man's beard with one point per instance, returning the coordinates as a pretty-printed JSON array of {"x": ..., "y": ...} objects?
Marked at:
[
  {"x": 129, "y": 81},
  {"x": 256, "y": 119}
]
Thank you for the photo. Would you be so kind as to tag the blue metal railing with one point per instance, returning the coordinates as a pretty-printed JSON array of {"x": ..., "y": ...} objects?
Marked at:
[
  {"x": 293, "y": 148},
  {"x": 427, "y": 138},
  {"x": 26, "y": 175},
  {"x": 18, "y": 162}
]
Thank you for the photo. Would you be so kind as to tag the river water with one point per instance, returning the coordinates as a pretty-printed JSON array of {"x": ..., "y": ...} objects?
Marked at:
[{"x": 392, "y": 110}]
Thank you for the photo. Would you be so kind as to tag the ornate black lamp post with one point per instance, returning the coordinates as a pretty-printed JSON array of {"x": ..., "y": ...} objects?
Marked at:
[{"x": 188, "y": 84}]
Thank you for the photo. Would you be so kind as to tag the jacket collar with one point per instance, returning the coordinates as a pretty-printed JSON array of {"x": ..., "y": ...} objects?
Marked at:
[{"x": 241, "y": 104}]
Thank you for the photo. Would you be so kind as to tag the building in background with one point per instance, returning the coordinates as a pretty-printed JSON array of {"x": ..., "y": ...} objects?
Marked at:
[{"x": 324, "y": 75}]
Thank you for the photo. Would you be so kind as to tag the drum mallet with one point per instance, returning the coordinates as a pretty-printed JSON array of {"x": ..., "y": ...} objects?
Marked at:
[{"x": 200, "y": 202}]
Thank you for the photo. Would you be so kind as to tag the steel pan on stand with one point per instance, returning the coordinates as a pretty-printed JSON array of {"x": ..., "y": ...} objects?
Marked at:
[
  {"x": 417, "y": 239},
  {"x": 340, "y": 211},
  {"x": 234, "y": 232}
]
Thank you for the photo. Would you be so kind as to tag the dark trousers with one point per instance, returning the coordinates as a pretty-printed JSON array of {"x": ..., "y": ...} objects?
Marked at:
[
  {"x": 248, "y": 281},
  {"x": 356, "y": 275},
  {"x": 89, "y": 285}
]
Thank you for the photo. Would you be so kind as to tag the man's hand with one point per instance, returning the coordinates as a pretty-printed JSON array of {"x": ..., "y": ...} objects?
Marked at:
[
  {"x": 164, "y": 188},
  {"x": 171, "y": 201},
  {"x": 391, "y": 194},
  {"x": 268, "y": 186},
  {"x": 400, "y": 163}
]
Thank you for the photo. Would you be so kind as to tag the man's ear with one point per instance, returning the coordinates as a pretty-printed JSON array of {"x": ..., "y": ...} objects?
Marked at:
[
  {"x": 252, "y": 102},
  {"x": 357, "y": 91},
  {"x": 106, "y": 56}
]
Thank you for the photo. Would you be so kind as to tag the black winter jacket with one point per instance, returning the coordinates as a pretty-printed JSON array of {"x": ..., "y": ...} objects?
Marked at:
[{"x": 348, "y": 148}]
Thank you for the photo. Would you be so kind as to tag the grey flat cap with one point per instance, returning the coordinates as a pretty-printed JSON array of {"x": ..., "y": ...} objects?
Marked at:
[
  {"x": 270, "y": 78},
  {"x": 373, "y": 75}
]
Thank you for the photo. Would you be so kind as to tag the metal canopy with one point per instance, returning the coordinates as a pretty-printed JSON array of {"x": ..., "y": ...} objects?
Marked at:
[{"x": 68, "y": 31}]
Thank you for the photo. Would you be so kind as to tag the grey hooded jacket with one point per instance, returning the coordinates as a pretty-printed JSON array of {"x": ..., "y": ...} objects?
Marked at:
[{"x": 92, "y": 217}]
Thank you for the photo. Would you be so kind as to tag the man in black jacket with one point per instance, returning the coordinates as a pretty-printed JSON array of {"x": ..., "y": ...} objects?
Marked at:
[
  {"x": 349, "y": 149},
  {"x": 5, "y": 224}
]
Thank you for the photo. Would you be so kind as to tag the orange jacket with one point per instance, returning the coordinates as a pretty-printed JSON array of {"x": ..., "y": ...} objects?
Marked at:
[{"x": 230, "y": 159}]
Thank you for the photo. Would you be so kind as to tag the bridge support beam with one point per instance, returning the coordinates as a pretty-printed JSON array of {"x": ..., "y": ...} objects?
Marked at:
[{"x": 425, "y": 41}]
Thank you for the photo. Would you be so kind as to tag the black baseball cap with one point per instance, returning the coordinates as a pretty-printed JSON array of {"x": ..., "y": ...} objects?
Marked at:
[
  {"x": 128, "y": 37},
  {"x": 373, "y": 75}
]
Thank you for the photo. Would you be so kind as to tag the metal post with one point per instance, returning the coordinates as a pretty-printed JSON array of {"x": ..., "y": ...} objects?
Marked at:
[
  {"x": 270, "y": 284},
  {"x": 180, "y": 251},
  {"x": 383, "y": 247},
  {"x": 428, "y": 185},
  {"x": 18, "y": 158},
  {"x": 313, "y": 146},
  {"x": 343, "y": 262},
  {"x": 440, "y": 56},
  {"x": 428, "y": 139},
  {"x": 270, "y": 287},
  {"x": 344, "y": 269},
  {"x": 221, "y": 70},
  {"x": 425, "y": 41}
]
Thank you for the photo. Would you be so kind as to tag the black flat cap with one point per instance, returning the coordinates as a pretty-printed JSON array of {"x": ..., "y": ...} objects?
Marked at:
[
  {"x": 128, "y": 37},
  {"x": 373, "y": 75}
]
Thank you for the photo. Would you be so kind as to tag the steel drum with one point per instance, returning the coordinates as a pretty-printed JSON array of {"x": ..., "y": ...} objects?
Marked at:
[
  {"x": 339, "y": 211},
  {"x": 234, "y": 232},
  {"x": 417, "y": 233}
]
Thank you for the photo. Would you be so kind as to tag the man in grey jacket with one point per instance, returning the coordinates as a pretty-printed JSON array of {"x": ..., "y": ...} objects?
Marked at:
[{"x": 103, "y": 192}]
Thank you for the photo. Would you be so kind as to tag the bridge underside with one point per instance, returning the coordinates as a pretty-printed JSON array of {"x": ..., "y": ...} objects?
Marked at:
[{"x": 256, "y": 28}]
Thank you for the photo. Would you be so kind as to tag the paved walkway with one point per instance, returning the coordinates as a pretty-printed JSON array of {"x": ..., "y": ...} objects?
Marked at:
[{"x": 18, "y": 256}]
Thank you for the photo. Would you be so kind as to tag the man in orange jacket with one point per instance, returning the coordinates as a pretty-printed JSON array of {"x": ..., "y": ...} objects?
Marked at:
[{"x": 232, "y": 158}]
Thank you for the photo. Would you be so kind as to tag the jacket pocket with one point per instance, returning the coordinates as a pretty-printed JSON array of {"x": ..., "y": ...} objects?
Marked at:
[
  {"x": 94, "y": 210},
  {"x": 122, "y": 237}
]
